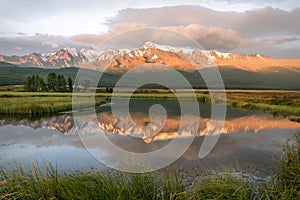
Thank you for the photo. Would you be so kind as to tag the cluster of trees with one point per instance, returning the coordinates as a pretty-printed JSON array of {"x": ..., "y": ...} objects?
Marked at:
[
  {"x": 55, "y": 83},
  {"x": 109, "y": 90}
]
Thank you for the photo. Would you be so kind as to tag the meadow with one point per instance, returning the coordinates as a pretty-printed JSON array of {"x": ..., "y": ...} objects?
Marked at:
[
  {"x": 35, "y": 103},
  {"x": 286, "y": 103},
  {"x": 17, "y": 102}
]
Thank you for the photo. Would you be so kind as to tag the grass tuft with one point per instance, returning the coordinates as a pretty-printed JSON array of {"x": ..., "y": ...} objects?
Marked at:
[
  {"x": 44, "y": 182},
  {"x": 36, "y": 104}
]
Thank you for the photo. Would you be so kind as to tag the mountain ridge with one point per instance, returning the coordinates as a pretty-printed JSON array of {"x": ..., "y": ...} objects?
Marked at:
[{"x": 180, "y": 58}]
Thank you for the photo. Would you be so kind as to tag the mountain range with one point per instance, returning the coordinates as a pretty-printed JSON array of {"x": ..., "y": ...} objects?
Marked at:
[
  {"x": 185, "y": 59},
  {"x": 238, "y": 70}
]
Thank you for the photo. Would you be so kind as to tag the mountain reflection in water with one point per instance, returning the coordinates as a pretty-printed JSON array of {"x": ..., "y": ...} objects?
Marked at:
[
  {"x": 54, "y": 139},
  {"x": 139, "y": 124}
]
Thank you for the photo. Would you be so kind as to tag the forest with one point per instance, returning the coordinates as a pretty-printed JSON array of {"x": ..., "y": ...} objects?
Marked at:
[{"x": 54, "y": 83}]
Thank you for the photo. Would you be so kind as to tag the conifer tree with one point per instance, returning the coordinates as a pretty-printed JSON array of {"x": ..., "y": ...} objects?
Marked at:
[
  {"x": 70, "y": 84},
  {"x": 51, "y": 79}
]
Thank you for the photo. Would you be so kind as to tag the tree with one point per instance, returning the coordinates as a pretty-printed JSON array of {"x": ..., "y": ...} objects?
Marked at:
[
  {"x": 70, "y": 84},
  {"x": 35, "y": 83},
  {"x": 63, "y": 83},
  {"x": 51, "y": 79},
  {"x": 60, "y": 84},
  {"x": 42, "y": 87},
  {"x": 109, "y": 89},
  {"x": 55, "y": 83},
  {"x": 28, "y": 84}
]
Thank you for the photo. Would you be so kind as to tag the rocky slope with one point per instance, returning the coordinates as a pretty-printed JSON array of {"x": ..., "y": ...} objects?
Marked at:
[{"x": 66, "y": 57}]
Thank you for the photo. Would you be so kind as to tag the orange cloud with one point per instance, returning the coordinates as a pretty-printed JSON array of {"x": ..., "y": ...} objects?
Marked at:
[
  {"x": 97, "y": 39},
  {"x": 208, "y": 37},
  {"x": 213, "y": 37}
]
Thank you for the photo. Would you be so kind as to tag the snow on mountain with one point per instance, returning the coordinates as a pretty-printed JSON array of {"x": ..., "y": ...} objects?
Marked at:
[
  {"x": 185, "y": 50},
  {"x": 182, "y": 58},
  {"x": 91, "y": 54},
  {"x": 224, "y": 55}
]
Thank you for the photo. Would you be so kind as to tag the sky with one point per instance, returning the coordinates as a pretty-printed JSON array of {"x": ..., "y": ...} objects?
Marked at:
[{"x": 270, "y": 28}]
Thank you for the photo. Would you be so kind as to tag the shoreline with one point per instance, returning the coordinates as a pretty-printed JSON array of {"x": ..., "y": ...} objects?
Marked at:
[
  {"x": 35, "y": 182},
  {"x": 36, "y": 104}
]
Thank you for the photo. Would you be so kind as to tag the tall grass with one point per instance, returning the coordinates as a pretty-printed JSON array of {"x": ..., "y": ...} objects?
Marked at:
[
  {"x": 45, "y": 183},
  {"x": 37, "y": 103},
  {"x": 221, "y": 187},
  {"x": 33, "y": 104},
  {"x": 41, "y": 103},
  {"x": 36, "y": 182},
  {"x": 282, "y": 109},
  {"x": 286, "y": 185}
]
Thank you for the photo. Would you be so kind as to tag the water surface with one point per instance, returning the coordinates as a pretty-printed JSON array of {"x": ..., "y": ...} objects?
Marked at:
[{"x": 250, "y": 140}]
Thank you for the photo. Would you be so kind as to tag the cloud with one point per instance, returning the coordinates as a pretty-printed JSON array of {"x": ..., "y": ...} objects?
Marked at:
[
  {"x": 269, "y": 22},
  {"x": 213, "y": 37},
  {"x": 50, "y": 43},
  {"x": 21, "y": 33},
  {"x": 22, "y": 45},
  {"x": 280, "y": 40},
  {"x": 284, "y": 50},
  {"x": 262, "y": 29},
  {"x": 208, "y": 37},
  {"x": 96, "y": 39},
  {"x": 172, "y": 16},
  {"x": 250, "y": 24},
  {"x": 24, "y": 11}
]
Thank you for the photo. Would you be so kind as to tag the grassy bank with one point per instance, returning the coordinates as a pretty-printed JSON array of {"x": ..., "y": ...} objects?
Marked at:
[
  {"x": 36, "y": 103},
  {"x": 275, "y": 102},
  {"x": 45, "y": 183},
  {"x": 32, "y": 104},
  {"x": 275, "y": 109},
  {"x": 286, "y": 184},
  {"x": 42, "y": 103}
]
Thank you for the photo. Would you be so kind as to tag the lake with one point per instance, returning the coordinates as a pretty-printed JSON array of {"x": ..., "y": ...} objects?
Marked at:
[{"x": 249, "y": 140}]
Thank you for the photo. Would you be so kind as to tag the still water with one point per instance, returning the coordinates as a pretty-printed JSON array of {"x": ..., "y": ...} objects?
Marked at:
[{"x": 249, "y": 140}]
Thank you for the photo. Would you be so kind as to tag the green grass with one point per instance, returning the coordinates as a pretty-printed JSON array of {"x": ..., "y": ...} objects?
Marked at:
[
  {"x": 279, "y": 109},
  {"x": 221, "y": 187},
  {"x": 289, "y": 168},
  {"x": 33, "y": 104},
  {"x": 41, "y": 103},
  {"x": 38, "y": 103},
  {"x": 286, "y": 185},
  {"x": 275, "y": 104},
  {"x": 280, "y": 102},
  {"x": 12, "y": 88},
  {"x": 44, "y": 182}
]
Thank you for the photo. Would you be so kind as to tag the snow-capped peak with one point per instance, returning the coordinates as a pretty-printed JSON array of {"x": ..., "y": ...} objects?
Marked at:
[
  {"x": 74, "y": 52},
  {"x": 259, "y": 56},
  {"x": 210, "y": 58},
  {"x": 91, "y": 54},
  {"x": 107, "y": 55},
  {"x": 224, "y": 55},
  {"x": 149, "y": 44}
]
